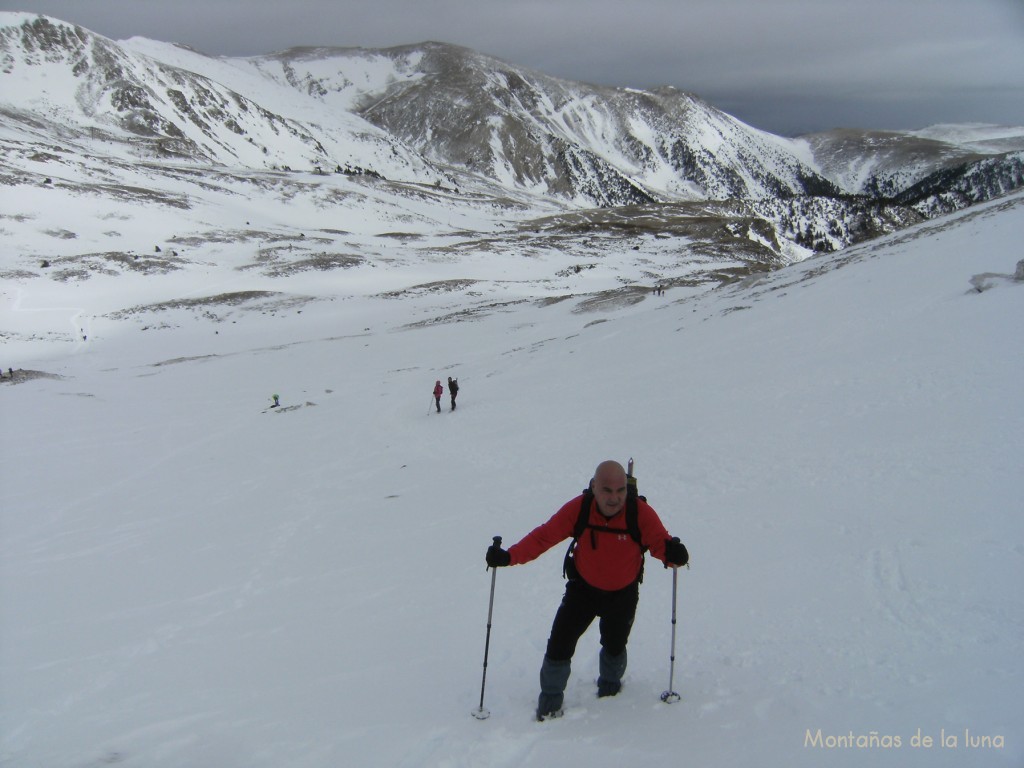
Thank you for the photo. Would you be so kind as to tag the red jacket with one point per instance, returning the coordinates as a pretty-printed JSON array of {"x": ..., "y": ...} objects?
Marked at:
[
  {"x": 438, "y": 389},
  {"x": 615, "y": 562}
]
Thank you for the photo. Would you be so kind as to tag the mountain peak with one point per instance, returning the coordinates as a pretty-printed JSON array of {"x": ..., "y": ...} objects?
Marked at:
[{"x": 441, "y": 114}]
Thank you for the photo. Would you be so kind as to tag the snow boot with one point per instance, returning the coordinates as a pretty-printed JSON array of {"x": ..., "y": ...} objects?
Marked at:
[
  {"x": 553, "y": 677},
  {"x": 609, "y": 681}
]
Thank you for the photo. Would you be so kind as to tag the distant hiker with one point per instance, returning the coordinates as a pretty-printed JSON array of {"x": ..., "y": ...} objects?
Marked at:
[
  {"x": 453, "y": 389},
  {"x": 438, "y": 391},
  {"x": 277, "y": 401},
  {"x": 604, "y": 567}
]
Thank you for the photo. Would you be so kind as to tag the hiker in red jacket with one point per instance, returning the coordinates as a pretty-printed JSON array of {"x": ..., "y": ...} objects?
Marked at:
[
  {"x": 438, "y": 391},
  {"x": 604, "y": 571}
]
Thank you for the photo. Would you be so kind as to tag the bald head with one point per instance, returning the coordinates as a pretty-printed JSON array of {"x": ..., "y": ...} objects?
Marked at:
[
  {"x": 608, "y": 469},
  {"x": 609, "y": 487}
]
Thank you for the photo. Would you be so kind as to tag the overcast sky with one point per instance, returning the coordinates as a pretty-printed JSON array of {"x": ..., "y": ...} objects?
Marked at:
[{"x": 787, "y": 66}]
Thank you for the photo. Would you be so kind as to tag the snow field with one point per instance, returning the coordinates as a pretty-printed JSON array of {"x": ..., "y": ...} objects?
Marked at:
[{"x": 188, "y": 578}]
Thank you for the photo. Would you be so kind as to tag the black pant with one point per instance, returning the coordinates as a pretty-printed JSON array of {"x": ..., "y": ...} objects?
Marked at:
[{"x": 581, "y": 604}]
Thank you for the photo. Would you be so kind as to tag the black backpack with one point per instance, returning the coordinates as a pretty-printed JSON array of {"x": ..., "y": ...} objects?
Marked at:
[{"x": 583, "y": 524}]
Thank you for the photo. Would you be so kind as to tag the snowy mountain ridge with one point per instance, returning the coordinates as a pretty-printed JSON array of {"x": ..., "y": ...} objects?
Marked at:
[
  {"x": 434, "y": 112},
  {"x": 70, "y": 78},
  {"x": 348, "y": 161},
  {"x": 191, "y": 578}
]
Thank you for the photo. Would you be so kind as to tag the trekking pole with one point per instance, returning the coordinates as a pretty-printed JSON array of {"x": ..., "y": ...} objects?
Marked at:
[
  {"x": 480, "y": 713},
  {"x": 670, "y": 696}
]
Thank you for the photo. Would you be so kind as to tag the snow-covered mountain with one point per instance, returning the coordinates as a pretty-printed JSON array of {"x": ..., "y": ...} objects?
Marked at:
[
  {"x": 331, "y": 158},
  {"x": 190, "y": 578},
  {"x": 609, "y": 146},
  {"x": 434, "y": 112},
  {"x": 68, "y": 81},
  {"x": 891, "y": 164},
  {"x": 458, "y": 108}
]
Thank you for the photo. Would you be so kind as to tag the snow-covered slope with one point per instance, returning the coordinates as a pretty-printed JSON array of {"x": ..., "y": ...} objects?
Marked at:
[
  {"x": 480, "y": 133},
  {"x": 305, "y": 109},
  {"x": 603, "y": 145},
  {"x": 527, "y": 130},
  {"x": 188, "y": 578},
  {"x": 887, "y": 163},
  {"x": 68, "y": 78},
  {"x": 441, "y": 114}
]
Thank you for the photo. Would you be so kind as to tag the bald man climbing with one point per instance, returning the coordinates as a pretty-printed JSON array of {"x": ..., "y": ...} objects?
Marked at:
[{"x": 611, "y": 527}]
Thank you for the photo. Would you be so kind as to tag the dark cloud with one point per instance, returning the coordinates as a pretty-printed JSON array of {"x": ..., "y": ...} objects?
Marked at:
[{"x": 787, "y": 66}]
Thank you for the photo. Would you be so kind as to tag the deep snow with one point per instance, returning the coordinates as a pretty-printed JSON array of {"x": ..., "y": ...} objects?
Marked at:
[{"x": 190, "y": 579}]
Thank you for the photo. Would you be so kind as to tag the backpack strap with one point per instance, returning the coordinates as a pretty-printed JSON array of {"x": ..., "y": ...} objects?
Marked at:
[
  {"x": 568, "y": 566},
  {"x": 583, "y": 519},
  {"x": 583, "y": 523}
]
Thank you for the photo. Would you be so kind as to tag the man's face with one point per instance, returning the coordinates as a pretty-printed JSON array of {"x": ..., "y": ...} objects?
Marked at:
[{"x": 610, "y": 490}]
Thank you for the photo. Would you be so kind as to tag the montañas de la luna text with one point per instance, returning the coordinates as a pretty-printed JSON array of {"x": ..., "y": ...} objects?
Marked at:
[{"x": 879, "y": 740}]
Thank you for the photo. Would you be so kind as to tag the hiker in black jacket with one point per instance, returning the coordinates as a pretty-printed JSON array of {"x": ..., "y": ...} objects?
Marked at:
[{"x": 453, "y": 389}]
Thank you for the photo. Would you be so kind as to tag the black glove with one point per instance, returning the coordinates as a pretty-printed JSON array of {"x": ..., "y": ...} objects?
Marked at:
[
  {"x": 497, "y": 557},
  {"x": 675, "y": 552}
]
